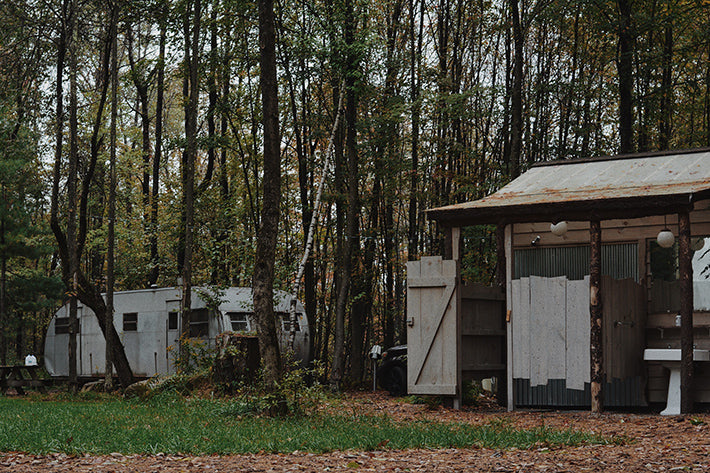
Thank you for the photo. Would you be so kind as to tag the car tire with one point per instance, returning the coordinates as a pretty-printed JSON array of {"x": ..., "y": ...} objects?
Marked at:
[{"x": 397, "y": 383}]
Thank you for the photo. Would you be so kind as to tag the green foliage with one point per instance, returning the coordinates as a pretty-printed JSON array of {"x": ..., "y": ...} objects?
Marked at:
[
  {"x": 194, "y": 356},
  {"x": 471, "y": 392},
  {"x": 25, "y": 243},
  {"x": 172, "y": 424},
  {"x": 479, "y": 254},
  {"x": 212, "y": 296},
  {"x": 299, "y": 389}
]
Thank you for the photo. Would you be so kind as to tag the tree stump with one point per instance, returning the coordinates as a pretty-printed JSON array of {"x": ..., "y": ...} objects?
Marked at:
[{"x": 237, "y": 361}]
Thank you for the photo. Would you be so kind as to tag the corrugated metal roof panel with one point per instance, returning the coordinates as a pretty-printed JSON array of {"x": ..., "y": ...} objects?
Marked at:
[{"x": 610, "y": 179}]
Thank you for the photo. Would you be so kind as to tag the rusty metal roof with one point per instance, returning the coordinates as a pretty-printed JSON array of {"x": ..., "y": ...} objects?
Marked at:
[{"x": 615, "y": 187}]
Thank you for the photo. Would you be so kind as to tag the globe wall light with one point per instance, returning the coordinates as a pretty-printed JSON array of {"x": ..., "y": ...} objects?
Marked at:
[
  {"x": 665, "y": 238},
  {"x": 559, "y": 228}
]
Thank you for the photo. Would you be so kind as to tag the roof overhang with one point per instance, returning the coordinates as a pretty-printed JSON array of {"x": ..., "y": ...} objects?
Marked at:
[{"x": 630, "y": 186}]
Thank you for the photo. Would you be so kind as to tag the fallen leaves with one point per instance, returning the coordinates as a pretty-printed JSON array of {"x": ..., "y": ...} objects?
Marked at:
[{"x": 653, "y": 444}]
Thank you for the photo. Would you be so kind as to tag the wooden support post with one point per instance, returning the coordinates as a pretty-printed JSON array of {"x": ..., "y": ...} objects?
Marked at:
[
  {"x": 685, "y": 257},
  {"x": 447, "y": 250},
  {"x": 500, "y": 256},
  {"x": 455, "y": 243},
  {"x": 508, "y": 244},
  {"x": 595, "y": 313},
  {"x": 456, "y": 246}
]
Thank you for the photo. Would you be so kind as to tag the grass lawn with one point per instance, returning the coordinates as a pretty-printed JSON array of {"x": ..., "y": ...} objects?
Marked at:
[{"x": 173, "y": 424}]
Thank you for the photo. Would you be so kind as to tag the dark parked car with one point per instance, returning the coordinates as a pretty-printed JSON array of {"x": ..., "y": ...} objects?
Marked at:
[{"x": 392, "y": 372}]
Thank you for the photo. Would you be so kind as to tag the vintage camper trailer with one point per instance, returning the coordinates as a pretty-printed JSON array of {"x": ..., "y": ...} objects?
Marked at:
[
  {"x": 148, "y": 324},
  {"x": 598, "y": 256}
]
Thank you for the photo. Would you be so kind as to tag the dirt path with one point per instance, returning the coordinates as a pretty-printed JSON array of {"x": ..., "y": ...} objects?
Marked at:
[{"x": 657, "y": 444}]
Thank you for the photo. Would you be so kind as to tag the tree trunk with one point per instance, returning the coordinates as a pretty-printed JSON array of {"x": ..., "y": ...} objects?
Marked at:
[
  {"x": 271, "y": 200},
  {"x": 352, "y": 231},
  {"x": 157, "y": 156},
  {"x": 516, "y": 108},
  {"x": 595, "y": 311},
  {"x": 140, "y": 81},
  {"x": 624, "y": 65},
  {"x": 415, "y": 72},
  {"x": 110, "y": 246},
  {"x": 73, "y": 169},
  {"x": 192, "y": 52},
  {"x": 685, "y": 267},
  {"x": 665, "y": 125},
  {"x": 96, "y": 303}
]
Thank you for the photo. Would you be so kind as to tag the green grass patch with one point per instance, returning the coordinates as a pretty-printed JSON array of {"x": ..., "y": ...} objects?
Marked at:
[{"x": 173, "y": 424}]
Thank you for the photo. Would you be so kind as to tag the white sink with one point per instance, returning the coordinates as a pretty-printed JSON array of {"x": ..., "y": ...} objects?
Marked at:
[
  {"x": 673, "y": 354},
  {"x": 670, "y": 358}
]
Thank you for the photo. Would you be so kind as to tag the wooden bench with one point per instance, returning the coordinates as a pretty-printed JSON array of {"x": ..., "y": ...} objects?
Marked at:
[{"x": 13, "y": 377}]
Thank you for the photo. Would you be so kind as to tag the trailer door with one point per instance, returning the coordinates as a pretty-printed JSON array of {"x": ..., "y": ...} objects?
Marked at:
[{"x": 172, "y": 334}]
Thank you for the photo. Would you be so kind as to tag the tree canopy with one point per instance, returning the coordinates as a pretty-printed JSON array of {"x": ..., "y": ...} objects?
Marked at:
[{"x": 445, "y": 101}]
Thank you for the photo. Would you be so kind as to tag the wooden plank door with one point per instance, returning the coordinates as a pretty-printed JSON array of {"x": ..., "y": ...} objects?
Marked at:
[
  {"x": 433, "y": 359},
  {"x": 624, "y": 305}
]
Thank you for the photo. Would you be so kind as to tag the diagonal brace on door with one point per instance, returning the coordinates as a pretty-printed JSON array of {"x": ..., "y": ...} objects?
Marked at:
[{"x": 431, "y": 336}]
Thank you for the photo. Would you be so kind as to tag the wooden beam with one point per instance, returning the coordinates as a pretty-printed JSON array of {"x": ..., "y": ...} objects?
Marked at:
[
  {"x": 685, "y": 258},
  {"x": 508, "y": 244},
  {"x": 500, "y": 256},
  {"x": 456, "y": 246},
  {"x": 595, "y": 313}
]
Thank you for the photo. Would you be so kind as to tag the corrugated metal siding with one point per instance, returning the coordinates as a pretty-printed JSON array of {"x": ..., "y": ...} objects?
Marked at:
[
  {"x": 619, "y": 261},
  {"x": 619, "y": 393}
]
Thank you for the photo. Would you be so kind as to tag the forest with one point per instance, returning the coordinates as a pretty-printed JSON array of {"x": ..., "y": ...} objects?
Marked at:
[{"x": 132, "y": 145}]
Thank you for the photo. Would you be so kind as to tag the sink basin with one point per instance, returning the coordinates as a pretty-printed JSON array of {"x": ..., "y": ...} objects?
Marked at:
[
  {"x": 673, "y": 354},
  {"x": 670, "y": 358}
]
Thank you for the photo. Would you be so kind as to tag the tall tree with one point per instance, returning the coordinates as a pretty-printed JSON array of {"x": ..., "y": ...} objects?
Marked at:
[
  {"x": 624, "y": 66},
  {"x": 263, "y": 280},
  {"x": 191, "y": 27},
  {"x": 351, "y": 246},
  {"x": 111, "y": 243},
  {"x": 72, "y": 241}
]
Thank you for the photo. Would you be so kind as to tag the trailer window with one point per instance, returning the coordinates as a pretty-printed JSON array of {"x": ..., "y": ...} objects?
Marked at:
[
  {"x": 199, "y": 323},
  {"x": 172, "y": 320},
  {"x": 239, "y": 321},
  {"x": 286, "y": 322},
  {"x": 130, "y": 322},
  {"x": 61, "y": 325}
]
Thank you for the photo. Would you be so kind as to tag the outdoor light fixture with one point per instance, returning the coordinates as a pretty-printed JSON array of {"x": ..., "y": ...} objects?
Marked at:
[
  {"x": 559, "y": 228},
  {"x": 697, "y": 244},
  {"x": 665, "y": 238}
]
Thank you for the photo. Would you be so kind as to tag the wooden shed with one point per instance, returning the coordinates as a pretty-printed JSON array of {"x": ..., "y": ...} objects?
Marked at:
[{"x": 581, "y": 304}]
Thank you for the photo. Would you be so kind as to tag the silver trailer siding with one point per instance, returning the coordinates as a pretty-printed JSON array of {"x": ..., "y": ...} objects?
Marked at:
[{"x": 148, "y": 324}]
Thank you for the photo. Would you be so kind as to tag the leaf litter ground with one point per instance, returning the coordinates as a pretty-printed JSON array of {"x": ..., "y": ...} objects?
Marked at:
[{"x": 648, "y": 443}]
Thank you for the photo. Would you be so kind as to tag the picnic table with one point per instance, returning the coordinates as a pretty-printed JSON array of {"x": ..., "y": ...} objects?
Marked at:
[{"x": 19, "y": 377}]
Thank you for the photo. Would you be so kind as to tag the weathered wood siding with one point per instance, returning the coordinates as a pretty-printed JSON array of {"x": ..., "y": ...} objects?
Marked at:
[
  {"x": 654, "y": 299},
  {"x": 483, "y": 348},
  {"x": 455, "y": 331},
  {"x": 550, "y": 324},
  {"x": 624, "y": 319},
  {"x": 550, "y": 333},
  {"x": 432, "y": 327},
  {"x": 613, "y": 231}
]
